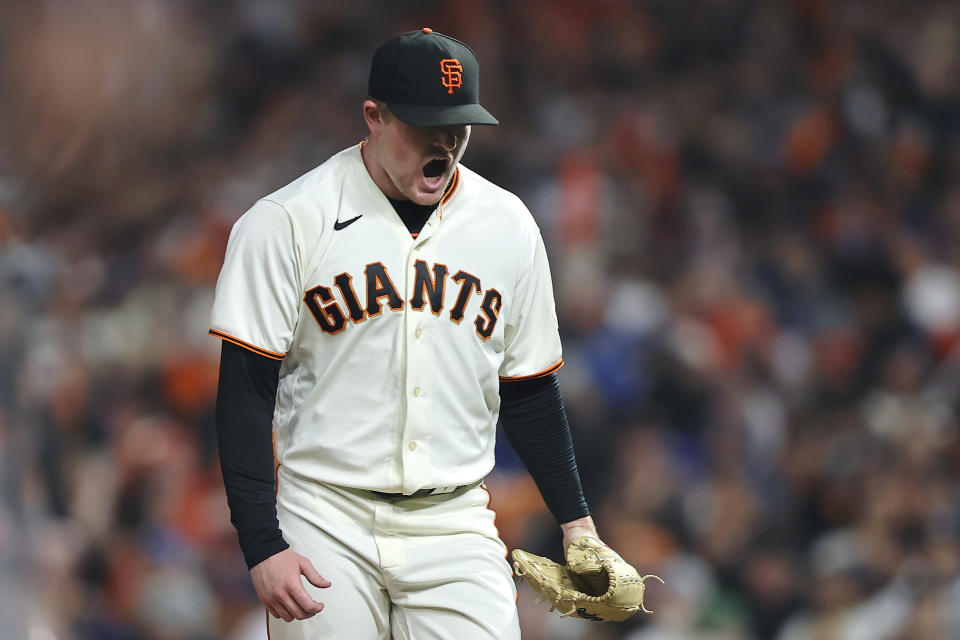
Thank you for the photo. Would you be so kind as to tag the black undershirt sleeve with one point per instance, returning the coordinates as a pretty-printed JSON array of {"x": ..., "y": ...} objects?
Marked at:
[
  {"x": 535, "y": 422},
  {"x": 244, "y": 417}
]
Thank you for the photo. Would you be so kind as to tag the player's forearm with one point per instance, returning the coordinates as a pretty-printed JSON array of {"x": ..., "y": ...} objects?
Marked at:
[
  {"x": 535, "y": 423},
  {"x": 244, "y": 414}
]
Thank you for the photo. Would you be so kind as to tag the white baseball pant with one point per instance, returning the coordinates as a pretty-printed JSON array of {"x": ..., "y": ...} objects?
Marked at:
[{"x": 411, "y": 569}]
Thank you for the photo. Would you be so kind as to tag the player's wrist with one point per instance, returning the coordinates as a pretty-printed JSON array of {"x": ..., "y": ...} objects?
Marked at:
[
  {"x": 586, "y": 522},
  {"x": 257, "y": 550},
  {"x": 578, "y": 529}
]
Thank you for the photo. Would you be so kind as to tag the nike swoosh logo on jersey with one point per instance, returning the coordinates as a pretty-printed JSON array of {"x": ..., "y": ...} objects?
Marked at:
[{"x": 343, "y": 225}]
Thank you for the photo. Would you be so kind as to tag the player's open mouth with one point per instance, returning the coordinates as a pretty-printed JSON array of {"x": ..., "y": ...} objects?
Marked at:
[{"x": 435, "y": 170}]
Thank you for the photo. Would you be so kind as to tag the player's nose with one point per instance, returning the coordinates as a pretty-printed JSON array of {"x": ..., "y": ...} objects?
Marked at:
[{"x": 446, "y": 138}]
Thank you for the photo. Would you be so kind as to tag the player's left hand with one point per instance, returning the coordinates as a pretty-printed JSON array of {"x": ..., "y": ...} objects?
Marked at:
[{"x": 595, "y": 584}]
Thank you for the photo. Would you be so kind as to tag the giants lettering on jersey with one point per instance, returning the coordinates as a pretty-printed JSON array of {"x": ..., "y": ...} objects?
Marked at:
[{"x": 429, "y": 288}]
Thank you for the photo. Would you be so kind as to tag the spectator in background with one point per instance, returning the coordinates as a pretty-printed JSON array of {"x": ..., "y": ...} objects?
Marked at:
[{"x": 753, "y": 212}]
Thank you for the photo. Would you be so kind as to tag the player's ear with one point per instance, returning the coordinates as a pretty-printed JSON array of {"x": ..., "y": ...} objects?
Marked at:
[{"x": 374, "y": 113}]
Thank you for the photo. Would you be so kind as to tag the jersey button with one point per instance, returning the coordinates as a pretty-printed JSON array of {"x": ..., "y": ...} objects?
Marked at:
[
  {"x": 416, "y": 392},
  {"x": 418, "y": 333},
  {"x": 412, "y": 446}
]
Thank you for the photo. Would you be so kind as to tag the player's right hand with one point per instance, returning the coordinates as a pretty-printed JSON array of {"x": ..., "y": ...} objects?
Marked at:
[{"x": 278, "y": 585}]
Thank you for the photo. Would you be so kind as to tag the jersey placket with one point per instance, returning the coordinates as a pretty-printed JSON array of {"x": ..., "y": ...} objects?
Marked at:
[{"x": 415, "y": 445}]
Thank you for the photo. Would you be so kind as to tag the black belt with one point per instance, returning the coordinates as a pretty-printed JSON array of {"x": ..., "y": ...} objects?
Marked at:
[{"x": 422, "y": 493}]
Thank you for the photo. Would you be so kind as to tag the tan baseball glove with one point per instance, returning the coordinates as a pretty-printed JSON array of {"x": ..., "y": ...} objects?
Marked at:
[{"x": 596, "y": 583}]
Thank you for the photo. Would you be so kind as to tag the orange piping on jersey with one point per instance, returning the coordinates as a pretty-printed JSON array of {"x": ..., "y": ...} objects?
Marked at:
[
  {"x": 268, "y": 625},
  {"x": 454, "y": 183},
  {"x": 246, "y": 345},
  {"x": 545, "y": 372},
  {"x": 414, "y": 234}
]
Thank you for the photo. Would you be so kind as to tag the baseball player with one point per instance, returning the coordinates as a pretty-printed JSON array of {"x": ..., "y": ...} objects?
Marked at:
[{"x": 378, "y": 314}]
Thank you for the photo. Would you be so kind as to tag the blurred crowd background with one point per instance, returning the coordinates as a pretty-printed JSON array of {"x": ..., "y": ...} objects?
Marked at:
[{"x": 753, "y": 216}]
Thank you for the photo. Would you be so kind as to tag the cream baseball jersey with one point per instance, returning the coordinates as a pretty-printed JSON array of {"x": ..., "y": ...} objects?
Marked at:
[{"x": 393, "y": 346}]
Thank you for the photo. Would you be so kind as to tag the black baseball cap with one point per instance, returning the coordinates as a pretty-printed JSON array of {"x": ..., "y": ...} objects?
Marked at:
[{"x": 428, "y": 80}]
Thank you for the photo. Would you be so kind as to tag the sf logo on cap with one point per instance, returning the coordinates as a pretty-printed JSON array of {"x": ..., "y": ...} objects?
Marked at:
[{"x": 452, "y": 74}]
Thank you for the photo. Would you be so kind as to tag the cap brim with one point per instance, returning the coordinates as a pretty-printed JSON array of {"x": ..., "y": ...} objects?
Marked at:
[{"x": 429, "y": 115}]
